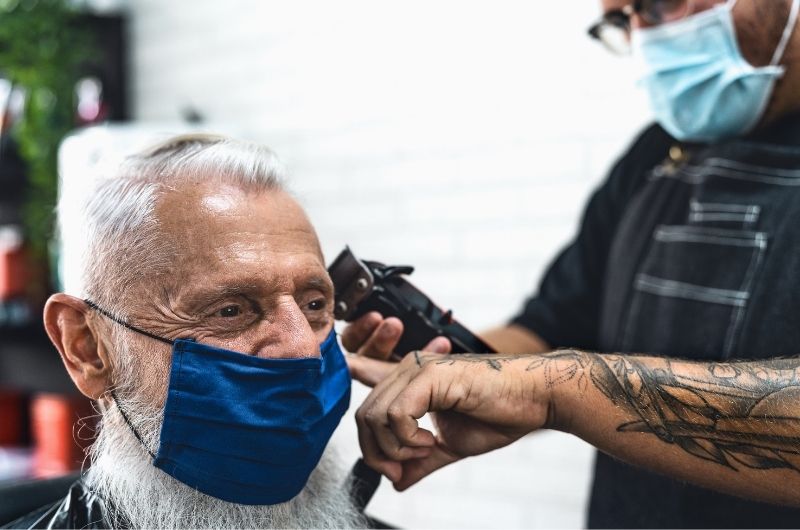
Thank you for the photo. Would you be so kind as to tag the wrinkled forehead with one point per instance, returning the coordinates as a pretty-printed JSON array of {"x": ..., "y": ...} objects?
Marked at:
[{"x": 215, "y": 228}]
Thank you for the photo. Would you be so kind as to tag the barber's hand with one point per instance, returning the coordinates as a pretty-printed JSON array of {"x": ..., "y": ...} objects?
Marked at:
[
  {"x": 374, "y": 337},
  {"x": 481, "y": 403},
  {"x": 371, "y": 363}
]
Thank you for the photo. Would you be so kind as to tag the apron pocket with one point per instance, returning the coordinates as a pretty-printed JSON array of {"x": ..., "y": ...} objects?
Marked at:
[
  {"x": 732, "y": 216},
  {"x": 691, "y": 292}
]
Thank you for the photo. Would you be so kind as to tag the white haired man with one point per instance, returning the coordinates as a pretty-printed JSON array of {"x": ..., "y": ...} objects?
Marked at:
[{"x": 202, "y": 327}]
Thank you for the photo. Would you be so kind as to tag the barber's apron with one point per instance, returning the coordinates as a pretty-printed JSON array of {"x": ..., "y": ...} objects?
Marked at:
[{"x": 705, "y": 265}]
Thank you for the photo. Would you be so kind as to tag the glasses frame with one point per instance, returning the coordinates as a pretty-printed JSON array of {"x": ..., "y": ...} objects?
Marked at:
[{"x": 620, "y": 19}]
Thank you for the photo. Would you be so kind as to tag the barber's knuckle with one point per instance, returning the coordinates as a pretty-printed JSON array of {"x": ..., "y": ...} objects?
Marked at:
[
  {"x": 432, "y": 371},
  {"x": 372, "y": 417},
  {"x": 361, "y": 415},
  {"x": 410, "y": 359},
  {"x": 395, "y": 412},
  {"x": 434, "y": 362}
]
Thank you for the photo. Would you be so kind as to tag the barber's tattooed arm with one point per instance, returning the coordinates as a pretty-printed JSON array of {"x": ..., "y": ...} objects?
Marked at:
[
  {"x": 737, "y": 415},
  {"x": 734, "y": 426}
]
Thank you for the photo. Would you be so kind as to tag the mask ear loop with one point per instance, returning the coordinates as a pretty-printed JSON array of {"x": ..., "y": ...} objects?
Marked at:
[
  {"x": 130, "y": 424},
  {"x": 787, "y": 33},
  {"x": 124, "y": 324}
]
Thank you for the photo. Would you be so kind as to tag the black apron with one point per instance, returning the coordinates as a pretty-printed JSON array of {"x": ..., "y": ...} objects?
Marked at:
[{"x": 705, "y": 265}]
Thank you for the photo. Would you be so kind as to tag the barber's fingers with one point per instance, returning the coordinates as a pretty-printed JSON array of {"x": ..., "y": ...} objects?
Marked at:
[
  {"x": 381, "y": 450},
  {"x": 383, "y": 341},
  {"x": 381, "y": 419},
  {"x": 372, "y": 371},
  {"x": 405, "y": 406},
  {"x": 372, "y": 335},
  {"x": 391, "y": 435},
  {"x": 369, "y": 371},
  {"x": 439, "y": 345},
  {"x": 415, "y": 470},
  {"x": 398, "y": 434},
  {"x": 390, "y": 431},
  {"x": 379, "y": 445},
  {"x": 356, "y": 333},
  {"x": 377, "y": 459}
]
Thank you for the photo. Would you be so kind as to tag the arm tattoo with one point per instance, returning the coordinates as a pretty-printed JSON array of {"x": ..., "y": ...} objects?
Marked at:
[
  {"x": 734, "y": 414},
  {"x": 492, "y": 360}
]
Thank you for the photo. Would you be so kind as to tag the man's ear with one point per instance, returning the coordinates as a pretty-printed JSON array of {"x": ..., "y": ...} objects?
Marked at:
[{"x": 86, "y": 360}]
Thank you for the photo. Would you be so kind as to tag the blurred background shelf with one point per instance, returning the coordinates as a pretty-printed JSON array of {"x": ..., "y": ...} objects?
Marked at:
[
  {"x": 29, "y": 363},
  {"x": 62, "y": 69}
]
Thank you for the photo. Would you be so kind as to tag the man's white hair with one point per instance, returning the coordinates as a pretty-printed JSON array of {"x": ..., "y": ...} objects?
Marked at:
[{"x": 110, "y": 239}]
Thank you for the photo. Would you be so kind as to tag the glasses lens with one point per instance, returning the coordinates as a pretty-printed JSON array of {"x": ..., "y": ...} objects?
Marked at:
[{"x": 663, "y": 11}]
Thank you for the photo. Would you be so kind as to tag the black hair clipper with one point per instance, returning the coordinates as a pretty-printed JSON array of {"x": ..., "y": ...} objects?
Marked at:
[{"x": 364, "y": 286}]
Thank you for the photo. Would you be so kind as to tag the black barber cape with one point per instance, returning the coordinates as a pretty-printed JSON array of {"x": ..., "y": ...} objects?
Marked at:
[
  {"x": 698, "y": 259},
  {"x": 79, "y": 509},
  {"x": 82, "y": 508}
]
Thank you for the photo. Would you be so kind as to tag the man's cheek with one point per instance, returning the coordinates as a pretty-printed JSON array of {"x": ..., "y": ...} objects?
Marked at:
[{"x": 153, "y": 378}]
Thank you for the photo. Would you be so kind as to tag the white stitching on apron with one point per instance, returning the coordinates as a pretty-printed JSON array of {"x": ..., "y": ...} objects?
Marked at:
[{"x": 676, "y": 289}]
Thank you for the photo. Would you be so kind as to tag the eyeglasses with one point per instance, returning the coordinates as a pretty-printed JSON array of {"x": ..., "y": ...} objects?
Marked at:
[{"x": 614, "y": 29}]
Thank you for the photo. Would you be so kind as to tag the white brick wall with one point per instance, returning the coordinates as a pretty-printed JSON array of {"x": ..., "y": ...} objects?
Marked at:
[{"x": 460, "y": 137}]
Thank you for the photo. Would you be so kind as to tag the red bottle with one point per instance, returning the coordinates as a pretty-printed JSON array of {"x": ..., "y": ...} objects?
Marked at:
[{"x": 14, "y": 273}]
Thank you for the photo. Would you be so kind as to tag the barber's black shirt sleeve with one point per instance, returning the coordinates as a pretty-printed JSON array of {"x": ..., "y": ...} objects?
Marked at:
[{"x": 566, "y": 310}]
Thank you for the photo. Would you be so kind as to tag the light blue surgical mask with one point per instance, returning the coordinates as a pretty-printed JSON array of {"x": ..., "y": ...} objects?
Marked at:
[{"x": 701, "y": 88}]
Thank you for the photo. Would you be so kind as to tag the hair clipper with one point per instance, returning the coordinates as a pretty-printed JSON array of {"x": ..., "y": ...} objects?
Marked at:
[{"x": 364, "y": 286}]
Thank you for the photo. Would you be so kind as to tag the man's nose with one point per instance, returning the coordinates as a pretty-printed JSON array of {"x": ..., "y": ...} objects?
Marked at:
[{"x": 290, "y": 336}]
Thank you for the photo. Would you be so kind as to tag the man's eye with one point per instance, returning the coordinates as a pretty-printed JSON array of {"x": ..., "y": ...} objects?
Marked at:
[
  {"x": 317, "y": 305},
  {"x": 230, "y": 311}
]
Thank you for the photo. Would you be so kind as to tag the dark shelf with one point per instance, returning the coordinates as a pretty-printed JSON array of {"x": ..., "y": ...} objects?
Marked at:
[{"x": 30, "y": 363}]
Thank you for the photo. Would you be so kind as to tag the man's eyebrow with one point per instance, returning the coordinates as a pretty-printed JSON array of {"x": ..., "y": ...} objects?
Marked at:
[
  {"x": 208, "y": 295},
  {"x": 321, "y": 283},
  {"x": 214, "y": 293}
]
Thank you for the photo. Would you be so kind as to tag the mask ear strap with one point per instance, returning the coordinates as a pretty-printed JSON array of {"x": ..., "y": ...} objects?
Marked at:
[
  {"x": 128, "y": 421},
  {"x": 125, "y": 324},
  {"x": 787, "y": 33}
]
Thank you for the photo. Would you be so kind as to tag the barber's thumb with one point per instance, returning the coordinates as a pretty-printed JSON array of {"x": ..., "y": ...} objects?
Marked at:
[
  {"x": 368, "y": 370},
  {"x": 439, "y": 345}
]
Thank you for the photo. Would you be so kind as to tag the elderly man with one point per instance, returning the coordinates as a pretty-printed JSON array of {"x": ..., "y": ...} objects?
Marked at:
[
  {"x": 203, "y": 329},
  {"x": 690, "y": 249}
]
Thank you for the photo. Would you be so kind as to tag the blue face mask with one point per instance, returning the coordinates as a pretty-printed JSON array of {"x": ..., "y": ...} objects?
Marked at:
[
  {"x": 245, "y": 429},
  {"x": 701, "y": 89}
]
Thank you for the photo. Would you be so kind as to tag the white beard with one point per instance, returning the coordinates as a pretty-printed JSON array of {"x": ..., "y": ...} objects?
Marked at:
[{"x": 142, "y": 496}]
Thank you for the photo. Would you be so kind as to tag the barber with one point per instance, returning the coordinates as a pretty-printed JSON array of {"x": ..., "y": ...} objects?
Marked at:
[{"x": 689, "y": 250}]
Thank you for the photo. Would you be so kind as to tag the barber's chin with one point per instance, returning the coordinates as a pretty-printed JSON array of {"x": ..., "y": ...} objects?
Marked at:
[{"x": 142, "y": 496}]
